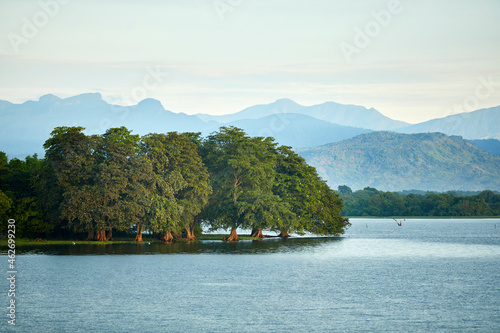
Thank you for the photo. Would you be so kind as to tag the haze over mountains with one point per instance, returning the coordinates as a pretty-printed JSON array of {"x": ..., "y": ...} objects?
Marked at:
[
  {"x": 335, "y": 113},
  {"x": 25, "y": 127},
  {"x": 480, "y": 124}
]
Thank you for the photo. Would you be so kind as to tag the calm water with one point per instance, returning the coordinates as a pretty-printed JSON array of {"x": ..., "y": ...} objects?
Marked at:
[{"x": 427, "y": 275}]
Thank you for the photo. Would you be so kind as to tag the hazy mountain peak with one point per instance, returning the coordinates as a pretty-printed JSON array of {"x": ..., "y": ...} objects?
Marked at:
[
  {"x": 332, "y": 112},
  {"x": 86, "y": 98},
  {"x": 285, "y": 102},
  {"x": 297, "y": 130},
  {"x": 48, "y": 99},
  {"x": 151, "y": 104},
  {"x": 479, "y": 124}
]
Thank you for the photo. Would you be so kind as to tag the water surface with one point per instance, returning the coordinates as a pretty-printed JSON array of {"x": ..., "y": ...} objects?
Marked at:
[{"x": 427, "y": 275}]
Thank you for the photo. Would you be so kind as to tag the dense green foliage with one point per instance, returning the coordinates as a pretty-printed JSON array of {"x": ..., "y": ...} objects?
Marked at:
[
  {"x": 372, "y": 202},
  {"x": 19, "y": 198},
  {"x": 166, "y": 184},
  {"x": 258, "y": 185}
]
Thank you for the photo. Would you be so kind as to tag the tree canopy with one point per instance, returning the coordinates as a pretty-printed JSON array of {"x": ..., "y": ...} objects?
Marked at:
[{"x": 167, "y": 184}]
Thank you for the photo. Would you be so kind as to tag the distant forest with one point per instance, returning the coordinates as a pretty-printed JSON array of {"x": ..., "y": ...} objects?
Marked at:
[
  {"x": 169, "y": 185},
  {"x": 372, "y": 202}
]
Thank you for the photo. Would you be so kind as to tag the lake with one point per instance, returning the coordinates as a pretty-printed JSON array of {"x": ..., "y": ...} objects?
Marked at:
[{"x": 423, "y": 276}]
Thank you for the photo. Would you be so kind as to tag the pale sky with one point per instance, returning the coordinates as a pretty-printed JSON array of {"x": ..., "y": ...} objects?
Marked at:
[{"x": 412, "y": 60}]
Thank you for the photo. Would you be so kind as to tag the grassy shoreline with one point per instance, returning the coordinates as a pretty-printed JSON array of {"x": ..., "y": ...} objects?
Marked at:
[{"x": 118, "y": 240}]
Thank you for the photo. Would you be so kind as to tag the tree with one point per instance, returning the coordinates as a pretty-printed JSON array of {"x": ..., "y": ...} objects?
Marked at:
[
  {"x": 5, "y": 206},
  {"x": 493, "y": 202},
  {"x": 69, "y": 151},
  {"x": 293, "y": 184},
  {"x": 164, "y": 214},
  {"x": 316, "y": 208},
  {"x": 27, "y": 210},
  {"x": 345, "y": 190},
  {"x": 4, "y": 170},
  {"x": 73, "y": 158},
  {"x": 261, "y": 207},
  {"x": 183, "y": 158},
  {"x": 48, "y": 195},
  {"x": 326, "y": 217},
  {"x": 125, "y": 176},
  {"x": 102, "y": 179},
  {"x": 242, "y": 171},
  {"x": 17, "y": 181}
]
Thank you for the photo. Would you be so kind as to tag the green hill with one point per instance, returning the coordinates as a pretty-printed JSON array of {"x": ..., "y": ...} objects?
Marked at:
[{"x": 394, "y": 162}]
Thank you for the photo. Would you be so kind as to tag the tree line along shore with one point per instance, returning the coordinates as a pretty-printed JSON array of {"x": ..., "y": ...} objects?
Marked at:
[
  {"x": 168, "y": 185},
  {"x": 372, "y": 202}
]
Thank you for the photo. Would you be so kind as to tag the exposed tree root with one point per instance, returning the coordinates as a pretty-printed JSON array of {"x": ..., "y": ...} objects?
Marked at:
[
  {"x": 167, "y": 237},
  {"x": 257, "y": 233},
  {"x": 284, "y": 235},
  {"x": 101, "y": 236},
  {"x": 190, "y": 234},
  {"x": 233, "y": 237}
]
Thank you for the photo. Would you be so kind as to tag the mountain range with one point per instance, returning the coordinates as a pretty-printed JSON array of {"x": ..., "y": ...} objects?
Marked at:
[
  {"x": 335, "y": 113},
  {"x": 480, "y": 124},
  {"x": 25, "y": 127}
]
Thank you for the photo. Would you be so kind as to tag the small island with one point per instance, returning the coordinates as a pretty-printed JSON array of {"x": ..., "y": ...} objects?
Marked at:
[{"x": 165, "y": 186}]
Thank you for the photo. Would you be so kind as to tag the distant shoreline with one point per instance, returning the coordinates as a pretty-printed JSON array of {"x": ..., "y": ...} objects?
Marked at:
[{"x": 218, "y": 237}]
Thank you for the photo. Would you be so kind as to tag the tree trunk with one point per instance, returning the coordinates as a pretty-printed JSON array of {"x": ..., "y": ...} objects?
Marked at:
[
  {"x": 284, "y": 235},
  {"x": 257, "y": 233},
  {"x": 233, "y": 237},
  {"x": 101, "y": 236},
  {"x": 190, "y": 234},
  {"x": 191, "y": 227},
  {"x": 90, "y": 236},
  {"x": 167, "y": 237},
  {"x": 140, "y": 228},
  {"x": 110, "y": 235}
]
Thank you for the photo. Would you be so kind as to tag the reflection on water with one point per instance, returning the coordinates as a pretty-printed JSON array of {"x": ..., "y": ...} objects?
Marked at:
[
  {"x": 365, "y": 238},
  {"x": 271, "y": 245}
]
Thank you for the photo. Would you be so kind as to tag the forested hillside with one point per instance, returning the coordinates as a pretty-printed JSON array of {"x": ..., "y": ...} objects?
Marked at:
[{"x": 395, "y": 162}]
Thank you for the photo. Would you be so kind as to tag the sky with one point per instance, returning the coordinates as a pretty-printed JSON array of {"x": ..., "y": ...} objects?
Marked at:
[{"x": 412, "y": 60}]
